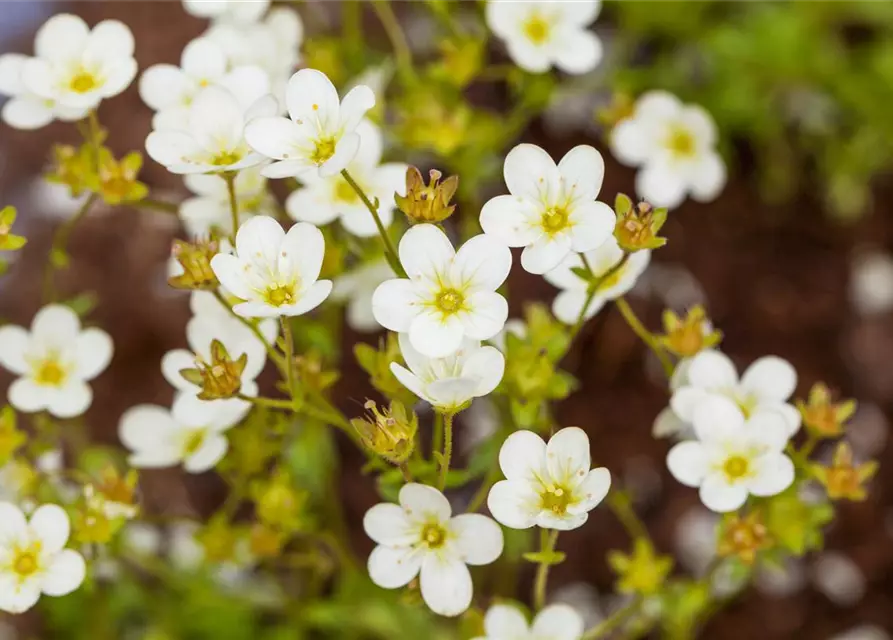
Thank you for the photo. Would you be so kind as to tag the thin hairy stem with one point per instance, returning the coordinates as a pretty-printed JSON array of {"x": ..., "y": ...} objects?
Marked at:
[{"x": 390, "y": 251}]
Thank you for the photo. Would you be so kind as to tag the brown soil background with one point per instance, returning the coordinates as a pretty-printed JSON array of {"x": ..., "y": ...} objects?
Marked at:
[{"x": 775, "y": 277}]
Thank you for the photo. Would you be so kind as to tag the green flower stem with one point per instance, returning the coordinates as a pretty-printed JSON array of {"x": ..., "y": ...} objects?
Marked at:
[
  {"x": 593, "y": 289},
  {"x": 437, "y": 435},
  {"x": 158, "y": 205},
  {"x": 647, "y": 337},
  {"x": 230, "y": 178},
  {"x": 547, "y": 545},
  {"x": 481, "y": 495},
  {"x": 60, "y": 242},
  {"x": 620, "y": 505},
  {"x": 275, "y": 356},
  {"x": 447, "y": 449},
  {"x": 394, "y": 31},
  {"x": 613, "y": 622},
  {"x": 288, "y": 348},
  {"x": 270, "y": 403},
  {"x": 390, "y": 252}
]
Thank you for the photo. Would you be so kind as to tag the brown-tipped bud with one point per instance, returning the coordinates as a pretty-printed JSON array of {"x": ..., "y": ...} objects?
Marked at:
[
  {"x": 687, "y": 336},
  {"x": 744, "y": 537},
  {"x": 638, "y": 224},
  {"x": 823, "y": 417},
  {"x": 389, "y": 433},
  {"x": 221, "y": 378},
  {"x": 195, "y": 258},
  {"x": 427, "y": 203},
  {"x": 844, "y": 480}
]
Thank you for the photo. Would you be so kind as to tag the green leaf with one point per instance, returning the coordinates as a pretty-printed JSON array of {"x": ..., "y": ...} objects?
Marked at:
[
  {"x": 545, "y": 557},
  {"x": 622, "y": 204}
]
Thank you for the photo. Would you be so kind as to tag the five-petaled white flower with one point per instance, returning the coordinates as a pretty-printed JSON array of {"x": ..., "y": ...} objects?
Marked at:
[
  {"x": 210, "y": 208},
  {"x": 78, "y": 67},
  {"x": 33, "y": 557},
  {"x": 733, "y": 456},
  {"x": 550, "y": 486},
  {"x": 356, "y": 288},
  {"x": 419, "y": 537},
  {"x": 449, "y": 383},
  {"x": 320, "y": 136},
  {"x": 766, "y": 384},
  {"x": 170, "y": 90},
  {"x": 448, "y": 295},
  {"x": 55, "y": 360},
  {"x": 539, "y": 34},
  {"x": 274, "y": 272},
  {"x": 213, "y": 141},
  {"x": 602, "y": 262},
  {"x": 189, "y": 433},
  {"x": 674, "y": 146},
  {"x": 323, "y": 200},
  {"x": 236, "y": 11},
  {"x": 552, "y": 210},
  {"x": 555, "y": 622},
  {"x": 25, "y": 109}
]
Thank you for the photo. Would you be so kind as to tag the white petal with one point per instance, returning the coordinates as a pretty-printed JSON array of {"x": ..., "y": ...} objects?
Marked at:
[
  {"x": 567, "y": 456},
  {"x": 393, "y": 568},
  {"x": 481, "y": 263},
  {"x": 61, "y": 38},
  {"x": 203, "y": 59},
  {"x": 580, "y": 14},
  {"x": 49, "y": 524},
  {"x": 311, "y": 96},
  {"x": 658, "y": 105},
  {"x": 530, "y": 57},
  {"x": 514, "y": 504},
  {"x": 770, "y": 378},
  {"x": 230, "y": 271},
  {"x": 592, "y": 490},
  {"x": 355, "y": 105},
  {"x": 661, "y": 185},
  {"x": 567, "y": 522},
  {"x": 163, "y": 85},
  {"x": 446, "y": 585},
  {"x": 709, "y": 177},
  {"x": 700, "y": 124},
  {"x": 311, "y": 204},
  {"x": 576, "y": 51},
  {"x": 487, "y": 366},
  {"x": 559, "y": 622},
  {"x": 11, "y": 66},
  {"x": 436, "y": 337},
  {"x": 712, "y": 370},
  {"x": 13, "y": 525},
  {"x": 208, "y": 455},
  {"x": 55, "y": 324},
  {"x": 26, "y": 113},
  {"x": 145, "y": 426},
  {"x": 478, "y": 538},
  {"x": 719, "y": 496},
  {"x": 546, "y": 253},
  {"x": 416, "y": 361},
  {"x": 345, "y": 151},
  {"x": 769, "y": 428},
  {"x": 26, "y": 396},
  {"x": 14, "y": 342},
  {"x": 568, "y": 304},
  {"x": 69, "y": 401},
  {"x": 450, "y": 393},
  {"x": 395, "y": 304},
  {"x": 425, "y": 251},
  {"x": 259, "y": 241},
  {"x": 66, "y": 573},
  {"x": 716, "y": 419},
  {"x": 631, "y": 142},
  {"x": 593, "y": 225},
  {"x": 109, "y": 39},
  {"x": 287, "y": 168},
  {"x": 687, "y": 462},
  {"x": 215, "y": 119},
  {"x": 16, "y": 597},
  {"x": 386, "y": 524},
  {"x": 357, "y": 221},
  {"x": 276, "y": 137},
  {"x": 310, "y": 299},
  {"x": 171, "y": 148},
  {"x": 583, "y": 170},
  {"x": 421, "y": 502},
  {"x": 531, "y": 173},
  {"x": 486, "y": 316},
  {"x": 301, "y": 252},
  {"x": 667, "y": 424},
  {"x": 505, "y": 621},
  {"x": 511, "y": 220},
  {"x": 685, "y": 400},
  {"x": 775, "y": 474},
  {"x": 94, "y": 352},
  {"x": 522, "y": 456},
  {"x": 410, "y": 380}
]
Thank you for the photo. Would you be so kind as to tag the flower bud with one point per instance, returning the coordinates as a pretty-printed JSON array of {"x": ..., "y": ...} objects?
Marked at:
[
  {"x": 638, "y": 225},
  {"x": 643, "y": 571},
  {"x": 687, "y": 336},
  {"x": 116, "y": 181},
  {"x": 822, "y": 417},
  {"x": 279, "y": 504},
  {"x": 114, "y": 495},
  {"x": 744, "y": 537},
  {"x": 429, "y": 203},
  {"x": 221, "y": 378},
  {"x": 72, "y": 167},
  {"x": 843, "y": 480},
  {"x": 389, "y": 434},
  {"x": 195, "y": 258},
  {"x": 9, "y": 241}
]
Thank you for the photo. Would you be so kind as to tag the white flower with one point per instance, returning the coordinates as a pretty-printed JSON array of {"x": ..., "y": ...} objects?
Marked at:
[
  {"x": 515, "y": 327},
  {"x": 733, "y": 456},
  {"x": 541, "y": 34},
  {"x": 33, "y": 557},
  {"x": 189, "y": 433},
  {"x": 568, "y": 304},
  {"x": 77, "y": 67},
  {"x": 210, "y": 207},
  {"x": 170, "y": 90},
  {"x": 766, "y": 385},
  {"x": 419, "y": 537},
  {"x": 674, "y": 145},
  {"x": 274, "y": 272},
  {"x": 871, "y": 283},
  {"x": 54, "y": 361},
  {"x": 448, "y": 295},
  {"x": 214, "y": 140},
  {"x": 357, "y": 287},
  {"x": 552, "y": 210},
  {"x": 550, "y": 486},
  {"x": 472, "y": 371},
  {"x": 237, "y": 11},
  {"x": 555, "y": 622},
  {"x": 320, "y": 136},
  {"x": 323, "y": 200},
  {"x": 25, "y": 109}
]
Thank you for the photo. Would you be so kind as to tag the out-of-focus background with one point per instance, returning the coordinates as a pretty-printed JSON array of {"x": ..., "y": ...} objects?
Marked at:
[{"x": 794, "y": 258}]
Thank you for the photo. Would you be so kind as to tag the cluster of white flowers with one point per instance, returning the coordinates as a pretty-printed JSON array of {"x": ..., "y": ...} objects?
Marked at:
[{"x": 555, "y": 622}]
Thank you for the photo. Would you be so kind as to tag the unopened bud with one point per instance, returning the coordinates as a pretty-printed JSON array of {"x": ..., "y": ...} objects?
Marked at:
[
  {"x": 844, "y": 480},
  {"x": 195, "y": 258},
  {"x": 427, "y": 203},
  {"x": 687, "y": 336},
  {"x": 389, "y": 433},
  {"x": 823, "y": 417},
  {"x": 220, "y": 378}
]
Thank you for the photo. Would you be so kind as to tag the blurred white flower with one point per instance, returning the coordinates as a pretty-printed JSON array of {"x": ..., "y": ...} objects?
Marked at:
[
  {"x": 733, "y": 456},
  {"x": 574, "y": 290},
  {"x": 210, "y": 207},
  {"x": 356, "y": 287},
  {"x": 141, "y": 539},
  {"x": 170, "y": 90},
  {"x": 321, "y": 134},
  {"x": 783, "y": 581},
  {"x": 189, "y": 433},
  {"x": 839, "y": 578},
  {"x": 25, "y": 109},
  {"x": 54, "y": 360},
  {"x": 871, "y": 283},
  {"x": 274, "y": 272},
  {"x": 213, "y": 141},
  {"x": 554, "y": 622},
  {"x": 449, "y": 383},
  {"x": 694, "y": 539},
  {"x": 237, "y": 11},
  {"x": 674, "y": 144},
  {"x": 552, "y": 210},
  {"x": 540, "y": 34},
  {"x": 420, "y": 537},
  {"x": 448, "y": 295},
  {"x": 77, "y": 67},
  {"x": 550, "y": 486},
  {"x": 34, "y": 558},
  {"x": 863, "y": 632},
  {"x": 324, "y": 199}
]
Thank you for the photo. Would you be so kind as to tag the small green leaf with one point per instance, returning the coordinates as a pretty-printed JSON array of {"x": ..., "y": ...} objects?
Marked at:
[
  {"x": 550, "y": 558},
  {"x": 622, "y": 204}
]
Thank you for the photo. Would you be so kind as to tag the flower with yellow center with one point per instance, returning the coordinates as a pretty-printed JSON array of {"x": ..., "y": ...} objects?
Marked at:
[
  {"x": 25, "y": 109},
  {"x": 420, "y": 537},
  {"x": 54, "y": 360},
  {"x": 33, "y": 557},
  {"x": 547, "y": 485},
  {"x": 733, "y": 456},
  {"x": 319, "y": 137},
  {"x": 551, "y": 210}
]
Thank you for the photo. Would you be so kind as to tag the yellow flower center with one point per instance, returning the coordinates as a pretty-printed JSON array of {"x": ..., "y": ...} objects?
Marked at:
[
  {"x": 277, "y": 295},
  {"x": 344, "y": 192},
  {"x": 194, "y": 441},
  {"x": 225, "y": 158},
  {"x": 736, "y": 467},
  {"x": 83, "y": 82},
  {"x": 556, "y": 499},
  {"x": 681, "y": 142},
  {"x": 50, "y": 373},
  {"x": 433, "y": 535},
  {"x": 449, "y": 301},
  {"x": 324, "y": 148},
  {"x": 25, "y": 561},
  {"x": 554, "y": 219},
  {"x": 537, "y": 29}
]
